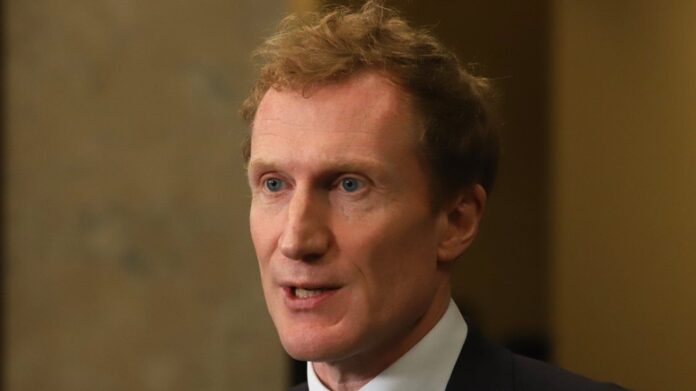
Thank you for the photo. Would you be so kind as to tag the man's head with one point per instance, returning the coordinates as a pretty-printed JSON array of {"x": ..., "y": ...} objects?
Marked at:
[
  {"x": 367, "y": 167},
  {"x": 457, "y": 140}
]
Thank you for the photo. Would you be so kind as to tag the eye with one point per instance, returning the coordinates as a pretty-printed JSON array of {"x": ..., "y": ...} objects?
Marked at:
[
  {"x": 273, "y": 184},
  {"x": 350, "y": 184}
]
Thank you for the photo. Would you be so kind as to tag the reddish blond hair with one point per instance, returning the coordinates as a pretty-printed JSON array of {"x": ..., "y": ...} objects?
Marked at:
[{"x": 459, "y": 140}]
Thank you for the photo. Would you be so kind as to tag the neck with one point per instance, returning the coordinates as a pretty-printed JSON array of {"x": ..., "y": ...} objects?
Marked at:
[{"x": 354, "y": 372}]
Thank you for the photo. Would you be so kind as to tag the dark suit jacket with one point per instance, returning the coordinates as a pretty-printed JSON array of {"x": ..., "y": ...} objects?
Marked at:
[{"x": 483, "y": 366}]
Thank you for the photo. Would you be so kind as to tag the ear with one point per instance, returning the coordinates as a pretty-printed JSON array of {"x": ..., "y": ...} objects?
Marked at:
[{"x": 461, "y": 223}]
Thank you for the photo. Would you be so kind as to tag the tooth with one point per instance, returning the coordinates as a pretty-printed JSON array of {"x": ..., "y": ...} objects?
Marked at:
[{"x": 305, "y": 293}]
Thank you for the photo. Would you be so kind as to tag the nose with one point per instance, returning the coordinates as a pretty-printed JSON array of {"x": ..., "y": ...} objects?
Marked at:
[{"x": 306, "y": 235}]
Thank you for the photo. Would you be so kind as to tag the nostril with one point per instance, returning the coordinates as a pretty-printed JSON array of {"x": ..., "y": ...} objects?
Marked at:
[{"x": 311, "y": 257}]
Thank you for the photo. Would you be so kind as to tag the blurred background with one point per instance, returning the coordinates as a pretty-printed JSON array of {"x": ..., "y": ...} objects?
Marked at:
[{"x": 127, "y": 262}]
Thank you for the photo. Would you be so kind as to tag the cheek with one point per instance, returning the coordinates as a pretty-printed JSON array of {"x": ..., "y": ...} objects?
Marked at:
[
  {"x": 263, "y": 232},
  {"x": 259, "y": 224},
  {"x": 393, "y": 254}
]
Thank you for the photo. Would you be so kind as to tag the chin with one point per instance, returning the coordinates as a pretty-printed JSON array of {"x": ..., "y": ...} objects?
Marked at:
[
  {"x": 313, "y": 346},
  {"x": 303, "y": 353}
]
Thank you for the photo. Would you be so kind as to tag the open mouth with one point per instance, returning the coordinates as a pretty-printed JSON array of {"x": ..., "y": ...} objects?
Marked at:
[
  {"x": 302, "y": 293},
  {"x": 308, "y": 298},
  {"x": 297, "y": 293}
]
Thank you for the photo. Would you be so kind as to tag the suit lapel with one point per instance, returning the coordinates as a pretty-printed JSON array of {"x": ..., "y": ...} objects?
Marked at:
[{"x": 481, "y": 366}]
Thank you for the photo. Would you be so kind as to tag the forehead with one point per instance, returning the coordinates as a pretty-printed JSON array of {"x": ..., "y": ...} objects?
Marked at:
[
  {"x": 364, "y": 121},
  {"x": 366, "y": 102}
]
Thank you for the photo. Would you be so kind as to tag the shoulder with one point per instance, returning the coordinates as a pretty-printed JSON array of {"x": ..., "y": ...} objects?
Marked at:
[
  {"x": 483, "y": 365},
  {"x": 530, "y": 374}
]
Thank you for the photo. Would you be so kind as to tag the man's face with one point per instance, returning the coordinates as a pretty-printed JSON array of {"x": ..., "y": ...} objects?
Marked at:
[{"x": 341, "y": 219}]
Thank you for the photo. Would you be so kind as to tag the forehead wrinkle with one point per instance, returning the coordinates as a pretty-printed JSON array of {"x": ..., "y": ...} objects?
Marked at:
[
  {"x": 381, "y": 104},
  {"x": 270, "y": 132}
]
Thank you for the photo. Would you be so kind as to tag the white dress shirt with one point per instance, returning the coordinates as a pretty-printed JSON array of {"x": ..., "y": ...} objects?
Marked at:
[{"x": 427, "y": 366}]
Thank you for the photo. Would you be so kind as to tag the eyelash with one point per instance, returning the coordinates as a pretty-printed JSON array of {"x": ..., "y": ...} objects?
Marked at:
[{"x": 338, "y": 184}]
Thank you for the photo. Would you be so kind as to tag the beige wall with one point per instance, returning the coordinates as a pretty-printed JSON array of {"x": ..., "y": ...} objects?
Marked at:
[
  {"x": 129, "y": 265},
  {"x": 624, "y": 191},
  {"x": 304, "y": 5}
]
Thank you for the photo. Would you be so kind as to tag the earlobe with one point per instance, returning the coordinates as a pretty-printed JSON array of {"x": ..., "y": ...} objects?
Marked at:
[{"x": 462, "y": 223}]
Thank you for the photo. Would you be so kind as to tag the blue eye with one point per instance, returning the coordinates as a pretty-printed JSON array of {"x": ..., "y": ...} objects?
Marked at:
[
  {"x": 350, "y": 184},
  {"x": 273, "y": 184}
]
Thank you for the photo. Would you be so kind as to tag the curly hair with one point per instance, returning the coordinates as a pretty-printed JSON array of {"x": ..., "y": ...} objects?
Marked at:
[{"x": 459, "y": 140}]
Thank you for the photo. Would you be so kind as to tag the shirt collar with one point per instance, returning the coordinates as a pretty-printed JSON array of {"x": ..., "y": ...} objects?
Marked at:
[{"x": 427, "y": 366}]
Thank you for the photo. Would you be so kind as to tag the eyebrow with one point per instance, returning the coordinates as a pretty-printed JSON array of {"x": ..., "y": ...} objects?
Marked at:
[{"x": 332, "y": 166}]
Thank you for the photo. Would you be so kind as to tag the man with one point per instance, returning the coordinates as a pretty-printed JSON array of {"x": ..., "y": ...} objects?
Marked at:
[{"x": 370, "y": 158}]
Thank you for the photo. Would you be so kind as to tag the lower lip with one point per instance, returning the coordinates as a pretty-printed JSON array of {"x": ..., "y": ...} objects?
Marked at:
[{"x": 307, "y": 303}]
